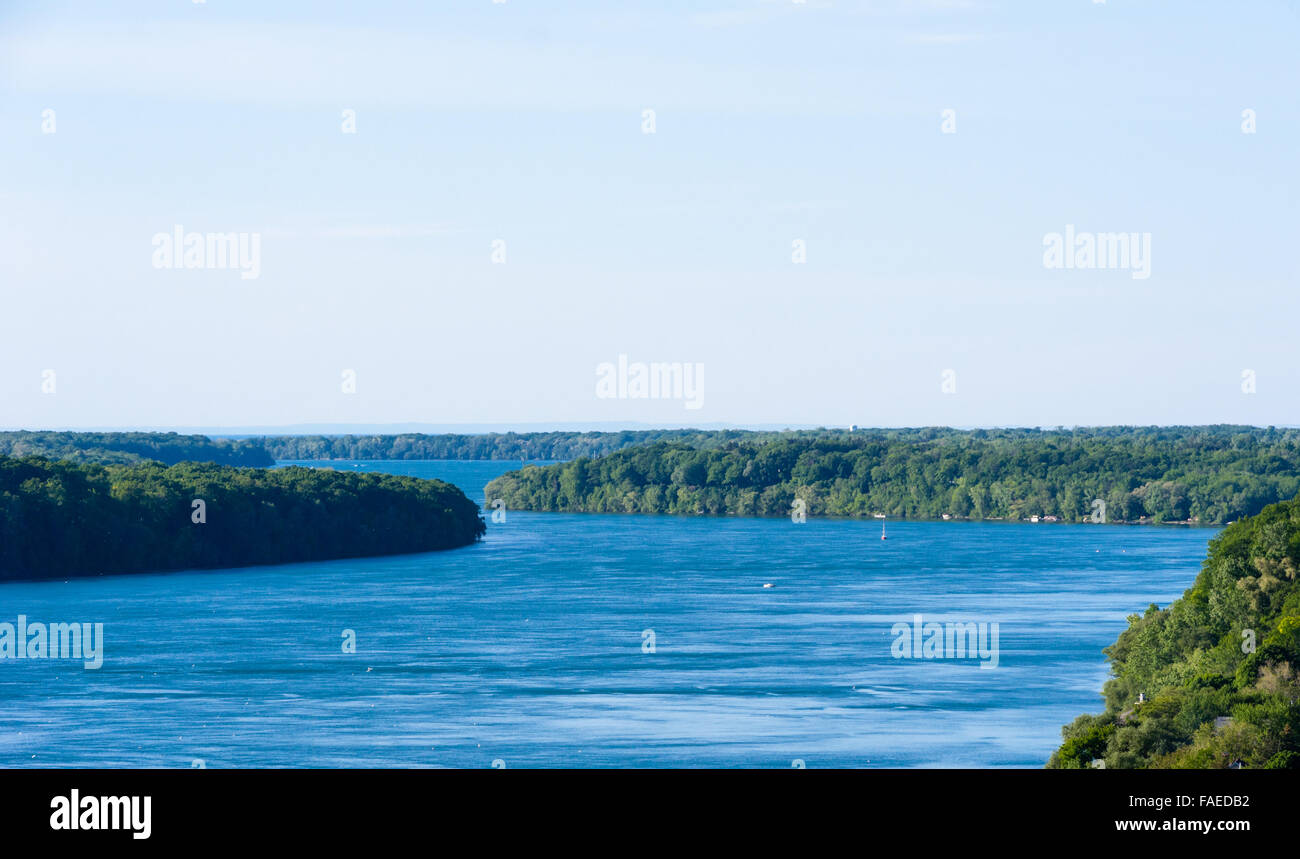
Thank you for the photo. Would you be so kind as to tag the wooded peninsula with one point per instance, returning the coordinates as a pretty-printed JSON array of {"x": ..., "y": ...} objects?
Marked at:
[{"x": 62, "y": 518}]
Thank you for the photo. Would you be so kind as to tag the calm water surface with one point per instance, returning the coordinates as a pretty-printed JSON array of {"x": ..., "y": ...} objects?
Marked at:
[{"x": 528, "y": 648}]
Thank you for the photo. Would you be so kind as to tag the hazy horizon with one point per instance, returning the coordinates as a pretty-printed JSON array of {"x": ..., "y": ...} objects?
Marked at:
[{"x": 577, "y": 426}]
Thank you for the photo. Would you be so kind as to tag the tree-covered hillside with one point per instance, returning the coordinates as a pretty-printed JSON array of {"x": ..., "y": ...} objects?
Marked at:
[
  {"x": 1175, "y": 474},
  {"x": 124, "y": 448},
  {"x": 60, "y": 518},
  {"x": 1214, "y": 679}
]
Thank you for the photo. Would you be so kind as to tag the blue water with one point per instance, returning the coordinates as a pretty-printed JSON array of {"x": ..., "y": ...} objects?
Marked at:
[{"x": 528, "y": 648}]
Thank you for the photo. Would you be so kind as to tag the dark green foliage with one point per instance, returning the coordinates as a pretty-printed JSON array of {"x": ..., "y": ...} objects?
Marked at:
[
  {"x": 1085, "y": 741},
  {"x": 60, "y": 518},
  {"x": 132, "y": 447},
  {"x": 1228, "y": 649},
  {"x": 530, "y": 445},
  {"x": 1284, "y": 761},
  {"x": 1176, "y": 474}
]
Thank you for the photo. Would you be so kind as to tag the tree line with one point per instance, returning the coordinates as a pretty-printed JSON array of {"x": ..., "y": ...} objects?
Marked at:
[
  {"x": 531, "y": 445},
  {"x": 123, "y": 448},
  {"x": 1208, "y": 475},
  {"x": 60, "y": 518}
]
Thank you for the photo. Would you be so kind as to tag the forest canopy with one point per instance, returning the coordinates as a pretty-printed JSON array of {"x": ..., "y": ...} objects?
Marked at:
[
  {"x": 530, "y": 445},
  {"x": 132, "y": 447},
  {"x": 1213, "y": 680},
  {"x": 61, "y": 518},
  {"x": 1208, "y": 475}
]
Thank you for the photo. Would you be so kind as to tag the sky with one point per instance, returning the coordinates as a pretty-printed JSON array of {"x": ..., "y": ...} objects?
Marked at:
[{"x": 469, "y": 213}]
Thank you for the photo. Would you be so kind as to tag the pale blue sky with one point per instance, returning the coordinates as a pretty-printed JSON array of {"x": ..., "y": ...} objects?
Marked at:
[{"x": 775, "y": 121}]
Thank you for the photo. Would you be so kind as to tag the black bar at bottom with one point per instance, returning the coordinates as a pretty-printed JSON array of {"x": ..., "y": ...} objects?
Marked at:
[{"x": 188, "y": 808}]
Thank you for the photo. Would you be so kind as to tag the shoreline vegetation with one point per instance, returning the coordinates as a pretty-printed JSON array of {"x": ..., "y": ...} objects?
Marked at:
[
  {"x": 1207, "y": 475},
  {"x": 63, "y": 519},
  {"x": 1190, "y": 475},
  {"x": 1213, "y": 680},
  {"x": 1122, "y": 475}
]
